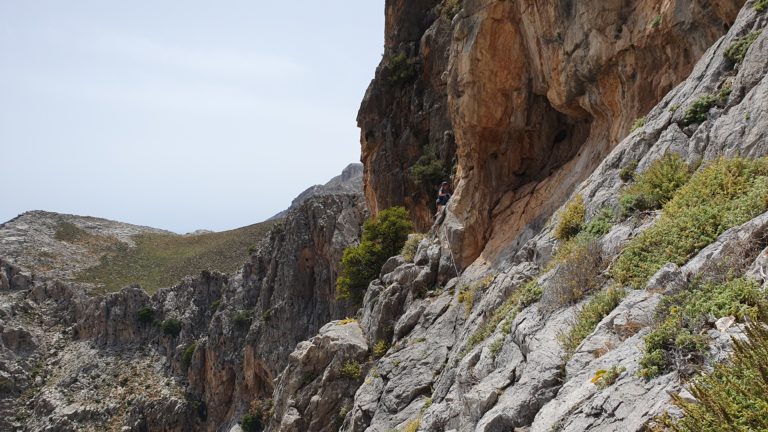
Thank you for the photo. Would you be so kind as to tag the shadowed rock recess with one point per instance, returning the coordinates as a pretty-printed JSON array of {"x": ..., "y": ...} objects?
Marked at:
[{"x": 639, "y": 126}]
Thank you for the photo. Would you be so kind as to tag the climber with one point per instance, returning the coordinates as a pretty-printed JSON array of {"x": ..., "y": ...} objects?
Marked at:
[{"x": 442, "y": 197}]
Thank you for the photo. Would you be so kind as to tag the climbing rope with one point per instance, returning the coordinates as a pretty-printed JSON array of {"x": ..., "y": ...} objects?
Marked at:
[{"x": 450, "y": 252}]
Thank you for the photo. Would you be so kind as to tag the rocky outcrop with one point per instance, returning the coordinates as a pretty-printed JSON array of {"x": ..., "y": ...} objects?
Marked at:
[
  {"x": 524, "y": 98},
  {"x": 284, "y": 296},
  {"x": 349, "y": 181},
  {"x": 316, "y": 388}
]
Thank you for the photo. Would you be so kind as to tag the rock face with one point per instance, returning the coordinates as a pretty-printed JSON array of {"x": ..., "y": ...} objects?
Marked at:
[
  {"x": 453, "y": 366},
  {"x": 190, "y": 357},
  {"x": 316, "y": 388},
  {"x": 523, "y": 99}
]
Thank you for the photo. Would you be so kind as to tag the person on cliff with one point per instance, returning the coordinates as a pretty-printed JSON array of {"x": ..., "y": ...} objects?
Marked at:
[{"x": 443, "y": 195}]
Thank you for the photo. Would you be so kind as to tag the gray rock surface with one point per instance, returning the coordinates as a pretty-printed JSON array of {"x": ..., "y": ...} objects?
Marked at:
[{"x": 349, "y": 181}]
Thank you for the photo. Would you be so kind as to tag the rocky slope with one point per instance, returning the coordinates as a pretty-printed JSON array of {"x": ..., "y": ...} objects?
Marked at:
[
  {"x": 109, "y": 255},
  {"x": 190, "y": 357},
  {"x": 58, "y": 246}
]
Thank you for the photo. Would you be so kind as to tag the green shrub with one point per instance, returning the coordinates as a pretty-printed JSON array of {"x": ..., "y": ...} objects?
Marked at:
[
  {"x": 351, "y": 369},
  {"x": 506, "y": 312},
  {"x": 171, "y": 327},
  {"x": 678, "y": 340},
  {"x": 495, "y": 347},
  {"x": 428, "y": 170},
  {"x": 734, "y": 396},
  {"x": 252, "y": 423},
  {"x": 580, "y": 264},
  {"x": 383, "y": 237},
  {"x": 656, "y": 185},
  {"x": 627, "y": 173},
  {"x": 380, "y": 348},
  {"x": 761, "y": 5},
  {"x": 698, "y": 111},
  {"x": 590, "y": 316},
  {"x": 571, "y": 219},
  {"x": 215, "y": 305},
  {"x": 670, "y": 344},
  {"x": 656, "y": 22},
  {"x": 242, "y": 319},
  {"x": 738, "y": 50},
  {"x": 146, "y": 315},
  {"x": 411, "y": 246},
  {"x": 186, "y": 356},
  {"x": 402, "y": 70},
  {"x": 637, "y": 124},
  {"x": 600, "y": 224},
  {"x": 727, "y": 193}
]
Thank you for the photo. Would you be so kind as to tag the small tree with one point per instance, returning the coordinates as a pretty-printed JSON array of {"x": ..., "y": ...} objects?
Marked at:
[{"x": 383, "y": 237}]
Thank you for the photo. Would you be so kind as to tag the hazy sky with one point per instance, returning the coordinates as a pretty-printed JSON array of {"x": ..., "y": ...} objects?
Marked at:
[{"x": 180, "y": 114}]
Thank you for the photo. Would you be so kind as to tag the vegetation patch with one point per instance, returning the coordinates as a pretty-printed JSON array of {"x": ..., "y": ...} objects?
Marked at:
[
  {"x": 679, "y": 340},
  {"x": 171, "y": 327},
  {"x": 738, "y": 50},
  {"x": 162, "y": 260},
  {"x": 656, "y": 22},
  {"x": 411, "y": 246},
  {"x": 590, "y": 316},
  {"x": 242, "y": 319},
  {"x": 351, "y": 369},
  {"x": 727, "y": 193},
  {"x": 627, "y": 173},
  {"x": 380, "y": 348},
  {"x": 450, "y": 8},
  {"x": 429, "y": 170},
  {"x": 506, "y": 313},
  {"x": 261, "y": 410},
  {"x": 734, "y": 396},
  {"x": 580, "y": 266},
  {"x": 761, "y": 5},
  {"x": 654, "y": 187},
  {"x": 468, "y": 293},
  {"x": 146, "y": 315},
  {"x": 571, "y": 219},
  {"x": 402, "y": 70},
  {"x": 186, "y": 356},
  {"x": 637, "y": 124},
  {"x": 383, "y": 237},
  {"x": 698, "y": 111},
  {"x": 600, "y": 224}
]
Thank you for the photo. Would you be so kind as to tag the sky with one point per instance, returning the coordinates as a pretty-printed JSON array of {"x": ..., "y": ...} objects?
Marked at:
[{"x": 179, "y": 114}]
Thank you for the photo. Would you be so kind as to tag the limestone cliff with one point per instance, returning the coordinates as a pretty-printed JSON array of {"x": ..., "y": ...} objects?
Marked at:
[{"x": 519, "y": 101}]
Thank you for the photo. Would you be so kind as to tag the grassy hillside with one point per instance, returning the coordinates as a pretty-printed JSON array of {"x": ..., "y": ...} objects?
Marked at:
[{"x": 161, "y": 260}]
